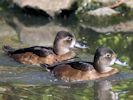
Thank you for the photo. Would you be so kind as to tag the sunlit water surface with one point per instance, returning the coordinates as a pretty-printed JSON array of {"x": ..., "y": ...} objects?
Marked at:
[{"x": 27, "y": 82}]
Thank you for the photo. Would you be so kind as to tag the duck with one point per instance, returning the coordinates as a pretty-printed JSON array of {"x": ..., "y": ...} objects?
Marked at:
[
  {"x": 101, "y": 67},
  {"x": 62, "y": 50}
]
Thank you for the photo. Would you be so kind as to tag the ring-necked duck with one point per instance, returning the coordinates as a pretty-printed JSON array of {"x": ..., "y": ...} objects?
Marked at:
[
  {"x": 63, "y": 43},
  {"x": 104, "y": 58}
]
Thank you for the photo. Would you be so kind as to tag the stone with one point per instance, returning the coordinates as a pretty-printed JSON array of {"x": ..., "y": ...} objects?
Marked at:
[
  {"x": 129, "y": 3},
  {"x": 42, "y": 35},
  {"x": 105, "y": 1},
  {"x": 51, "y": 7},
  {"x": 5, "y": 29},
  {"x": 121, "y": 27},
  {"x": 105, "y": 11}
]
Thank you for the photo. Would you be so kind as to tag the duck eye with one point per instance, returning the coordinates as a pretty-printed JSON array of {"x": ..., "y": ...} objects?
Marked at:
[
  {"x": 69, "y": 38},
  {"x": 108, "y": 55}
]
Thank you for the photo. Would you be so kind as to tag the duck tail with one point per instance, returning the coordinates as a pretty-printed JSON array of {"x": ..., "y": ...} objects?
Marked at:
[{"x": 7, "y": 49}]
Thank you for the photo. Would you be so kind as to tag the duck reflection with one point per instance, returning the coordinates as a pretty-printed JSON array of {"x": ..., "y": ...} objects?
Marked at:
[{"x": 103, "y": 91}]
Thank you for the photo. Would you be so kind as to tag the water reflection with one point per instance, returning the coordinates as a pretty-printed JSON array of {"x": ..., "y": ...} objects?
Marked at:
[
  {"x": 100, "y": 90},
  {"x": 103, "y": 91},
  {"x": 32, "y": 83}
]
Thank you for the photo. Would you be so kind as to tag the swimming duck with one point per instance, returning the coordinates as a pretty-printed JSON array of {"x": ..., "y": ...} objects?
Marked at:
[
  {"x": 104, "y": 58},
  {"x": 63, "y": 43}
]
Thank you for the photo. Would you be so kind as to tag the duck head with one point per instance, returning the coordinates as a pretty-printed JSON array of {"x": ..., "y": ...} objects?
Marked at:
[
  {"x": 64, "y": 41},
  {"x": 104, "y": 58}
]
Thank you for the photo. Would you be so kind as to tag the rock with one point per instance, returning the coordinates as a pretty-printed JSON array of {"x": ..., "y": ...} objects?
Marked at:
[
  {"x": 105, "y": 11},
  {"x": 2, "y": 89},
  {"x": 5, "y": 29},
  {"x": 50, "y": 7},
  {"x": 121, "y": 27},
  {"x": 105, "y": 1},
  {"x": 42, "y": 35},
  {"x": 129, "y": 3}
]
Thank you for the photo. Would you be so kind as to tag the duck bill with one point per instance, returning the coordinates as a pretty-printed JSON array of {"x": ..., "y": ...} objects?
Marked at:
[
  {"x": 80, "y": 45},
  {"x": 117, "y": 61}
]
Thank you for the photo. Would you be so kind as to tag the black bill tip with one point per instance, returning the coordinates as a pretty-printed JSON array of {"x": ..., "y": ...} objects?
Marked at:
[{"x": 120, "y": 62}]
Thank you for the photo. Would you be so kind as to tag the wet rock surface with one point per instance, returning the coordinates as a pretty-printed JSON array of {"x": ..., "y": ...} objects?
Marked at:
[
  {"x": 42, "y": 35},
  {"x": 129, "y": 3},
  {"x": 6, "y": 29},
  {"x": 105, "y": 1},
  {"x": 50, "y": 7},
  {"x": 105, "y": 11},
  {"x": 121, "y": 27}
]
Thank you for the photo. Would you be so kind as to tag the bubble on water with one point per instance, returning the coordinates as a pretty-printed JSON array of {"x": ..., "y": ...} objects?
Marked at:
[
  {"x": 108, "y": 33},
  {"x": 49, "y": 95},
  {"x": 125, "y": 46},
  {"x": 84, "y": 41},
  {"x": 123, "y": 14},
  {"x": 55, "y": 80},
  {"x": 81, "y": 20},
  {"x": 64, "y": 87},
  {"x": 83, "y": 38}
]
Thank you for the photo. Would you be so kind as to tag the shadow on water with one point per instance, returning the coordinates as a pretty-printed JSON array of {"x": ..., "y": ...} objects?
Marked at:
[{"x": 29, "y": 82}]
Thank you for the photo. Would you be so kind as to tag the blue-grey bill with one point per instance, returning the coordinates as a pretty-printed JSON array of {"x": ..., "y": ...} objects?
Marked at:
[
  {"x": 121, "y": 63},
  {"x": 80, "y": 45}
]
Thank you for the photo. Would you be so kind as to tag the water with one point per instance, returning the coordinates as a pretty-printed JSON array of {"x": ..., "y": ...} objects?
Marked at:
[{"x": 27, "y": 82}]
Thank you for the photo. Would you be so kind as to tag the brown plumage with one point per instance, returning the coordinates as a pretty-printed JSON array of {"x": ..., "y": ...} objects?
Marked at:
[
  {"x": 61, "y": 50},
  {"x": 81, "y": 70}
]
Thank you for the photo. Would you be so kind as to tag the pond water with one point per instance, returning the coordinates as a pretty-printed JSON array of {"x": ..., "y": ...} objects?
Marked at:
[{"x": 27, "y": 82}]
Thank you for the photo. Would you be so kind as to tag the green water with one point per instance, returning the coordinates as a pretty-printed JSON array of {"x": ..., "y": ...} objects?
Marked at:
[{"x": 27, "y": 82}]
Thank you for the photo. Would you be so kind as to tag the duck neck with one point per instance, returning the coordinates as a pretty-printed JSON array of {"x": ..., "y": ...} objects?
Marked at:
[
  {"x": 102, "y": 68},
  {"x": 59, "y": 48}
]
